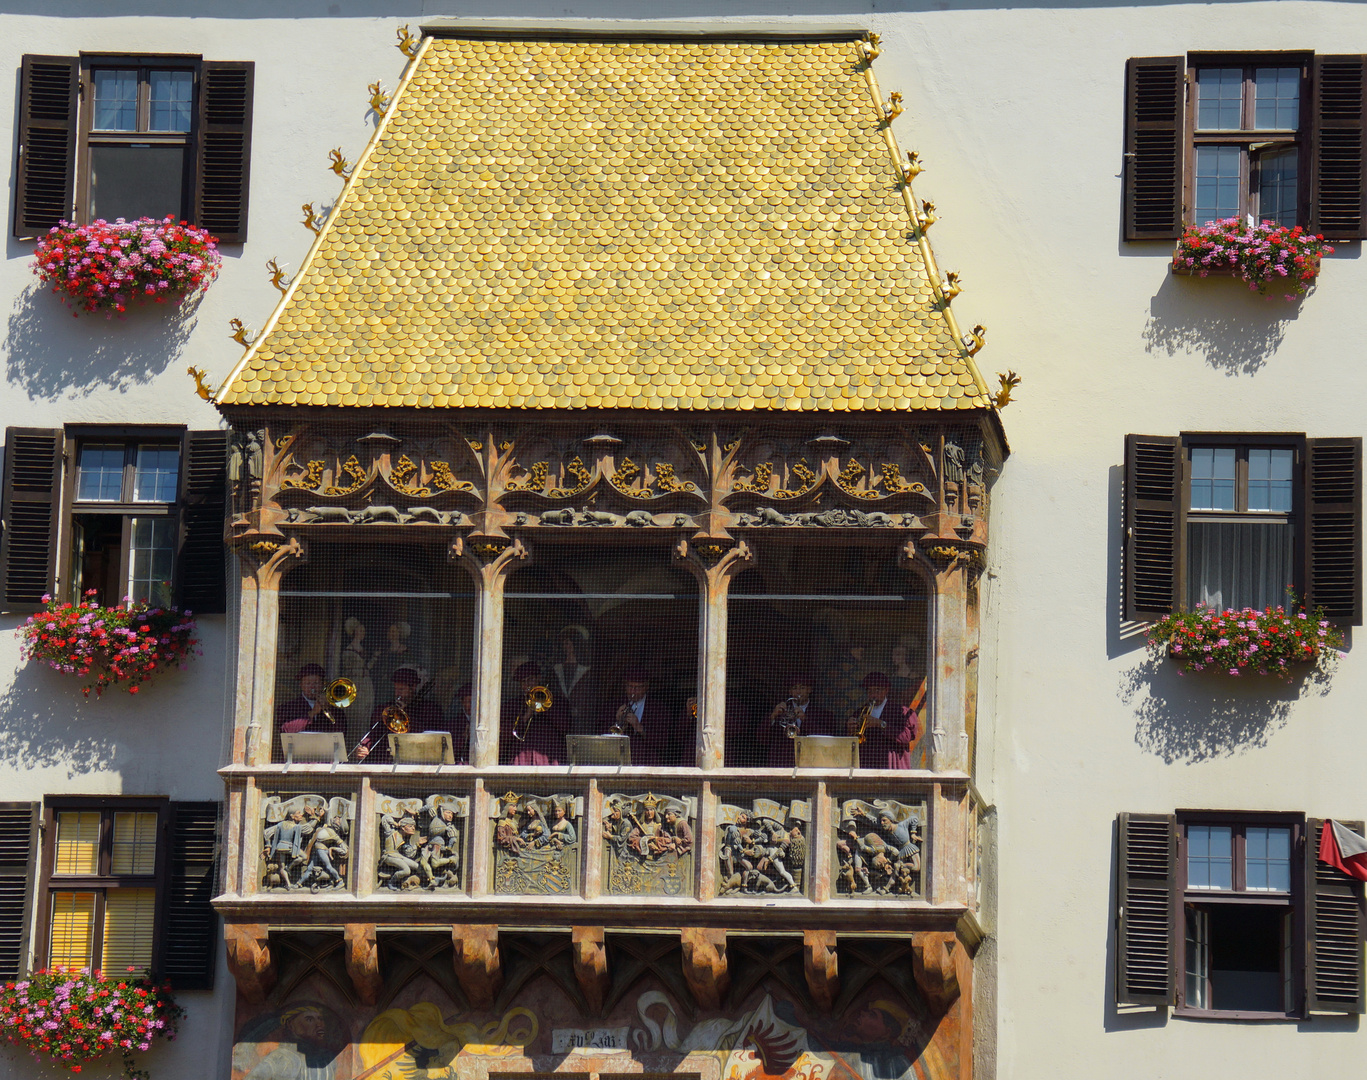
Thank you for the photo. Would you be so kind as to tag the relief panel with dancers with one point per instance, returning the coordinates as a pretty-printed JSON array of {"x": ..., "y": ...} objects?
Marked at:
[
  {"x": 422, "y": 842},
  {"x": 305, "y": 842}
]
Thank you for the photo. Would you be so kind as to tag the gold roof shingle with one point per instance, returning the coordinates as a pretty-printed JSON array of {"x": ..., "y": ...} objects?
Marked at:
[{"x": 699, "y": 224}]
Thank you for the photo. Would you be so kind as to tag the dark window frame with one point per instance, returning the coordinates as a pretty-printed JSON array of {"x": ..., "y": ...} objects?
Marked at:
[
  {"x": 1244, "y": 136},
  {"x": 50, "y": 882},
  {"x": 88, "y": 136},
  {"x": 1292, "y": 901}
]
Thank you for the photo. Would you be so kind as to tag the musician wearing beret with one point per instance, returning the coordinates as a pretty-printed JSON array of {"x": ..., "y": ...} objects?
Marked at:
[
  {"x": 798, "y": 709},
  {"x": 529, "y": 737},
  {"x": 422, "y": 716},
  {"x": 656, "y": 734},
  {"x": 890, "y": 728},
  {"x": 308, "y": 711}
]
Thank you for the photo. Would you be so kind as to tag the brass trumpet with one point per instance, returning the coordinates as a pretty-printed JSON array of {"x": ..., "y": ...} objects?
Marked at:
[
  {"x": 340, "y": 694},
  {"x": 865, "y": 719},
  {"x": 792, "y": 719},
  {"x": 619, "y": 724},
  {"x": 539, "y": 700}
]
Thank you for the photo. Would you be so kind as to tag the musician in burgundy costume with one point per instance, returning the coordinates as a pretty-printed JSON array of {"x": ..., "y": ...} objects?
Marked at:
[
  {"x": 891, "y": 730},
  {"x": 305, "y": 712},
  {"x": 373, "y": 749},
  {"x": 657, "y": 735},
  {"x": 545, "y": 732},
  {"x": 814, "y": 721}
]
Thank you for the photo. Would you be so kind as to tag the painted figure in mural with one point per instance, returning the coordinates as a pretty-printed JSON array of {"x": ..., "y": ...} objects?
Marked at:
[
  {"x": 654, "y": 733},
  {"x": 308, "y": 711},
  {"x": 889, "y": 729},
  {"x": 285, "y": 841},
  {"x": 529, "y": 737},
  {"x": 399, "y": 864},
  {"x": 355, "y": 665},
  {"x": 308, "y": 1050},
  {"x": 405, "y": 1044},
  {"x": 397, "y": 653},
  {"x": 409, "y": 685},
  {"x": 798, "y": 714},
  {"x": 573, "y": 679},
  {"x": 880, "y": 1043},
  {"x": 326, "y": 853}
]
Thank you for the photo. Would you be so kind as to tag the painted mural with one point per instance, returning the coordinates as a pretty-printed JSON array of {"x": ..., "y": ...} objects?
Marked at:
[{"x": 421, "y": 1033}]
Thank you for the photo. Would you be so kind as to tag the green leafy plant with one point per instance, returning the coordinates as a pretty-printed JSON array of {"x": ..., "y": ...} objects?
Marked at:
[{"x": 1246, "y": 642}]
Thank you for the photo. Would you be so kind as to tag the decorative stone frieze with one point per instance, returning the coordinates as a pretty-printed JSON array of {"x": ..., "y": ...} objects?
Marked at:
[
  {"x": 536, "y": 843},
  {"x": 762, "y": 849},
  {"x": 648, "y": 844}
]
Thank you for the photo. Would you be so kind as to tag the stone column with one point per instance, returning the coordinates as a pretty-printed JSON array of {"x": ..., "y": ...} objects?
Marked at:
[
  {"x": 713, "y": 564},
  {"x": 488, "y": 560},
  {"x": 949, "y": 701}
]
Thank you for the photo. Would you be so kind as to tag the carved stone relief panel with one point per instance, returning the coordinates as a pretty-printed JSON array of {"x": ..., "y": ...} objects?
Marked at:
[
  {"x": 776, "y": 467},
  {"x": 878, "y": 848},
  {"x": 305, "y": 842},
  {"x": 648, "y": 844},
  {"x": 536, "y": 843},
  {"x": 762, "y": 849},
  {"x": 422, "y": 842}
]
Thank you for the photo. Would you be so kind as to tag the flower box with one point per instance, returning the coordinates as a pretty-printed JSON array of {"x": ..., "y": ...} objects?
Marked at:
[
  {"x": 1273, "y": 641},
  {"x": 118, "y": 646},
  {"x": 1270, "y": 258},
  {"x": 106, "y": 267}
]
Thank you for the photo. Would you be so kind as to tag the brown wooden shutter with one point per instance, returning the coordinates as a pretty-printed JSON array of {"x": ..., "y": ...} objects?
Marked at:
[
  {"x": 224, "y": 151},
  {"x": 1338, "y": 148},
  {"x": 1334, "y": 923},
  {"x": 1146, "y": 920},
  {"x": 201, "y": 560},
  {"x": 30, "y": 511},
  {"x": 1155, "y": 517},
  {"x": 18, "y": 845},
  {"x": 1155, "y": 146},
  {"x": 1333, "y": 528},
  {"x": 45, "y": 179},
  {"x": 189, "y": 925}
]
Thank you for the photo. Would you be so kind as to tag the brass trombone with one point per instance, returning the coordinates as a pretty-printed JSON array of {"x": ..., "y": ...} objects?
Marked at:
[
  {"x": 340, "y": 694},
  {"x": 539, "y": 700}
]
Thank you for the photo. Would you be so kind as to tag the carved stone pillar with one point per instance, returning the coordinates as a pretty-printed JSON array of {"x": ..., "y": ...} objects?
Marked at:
[
  {"x": 489, "y": 560},
  {"x": 591, "y": 965},
  {"x": 704, "y": 965},
  {"x": 713, "y": 564},
  {"x": 250, "y": 960},
  {"x": 478, "y": 965},
  {"x": 363, "y": 961},
  {"x": 263, "y": 562},
  {"x": 949, "y": 728}
]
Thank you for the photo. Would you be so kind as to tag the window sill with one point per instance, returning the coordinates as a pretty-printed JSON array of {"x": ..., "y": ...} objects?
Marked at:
[{"x": 1220, "y": 1014}]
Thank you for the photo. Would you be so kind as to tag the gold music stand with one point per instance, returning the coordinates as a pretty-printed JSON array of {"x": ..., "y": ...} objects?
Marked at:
[{"x": 598, "y": 749}]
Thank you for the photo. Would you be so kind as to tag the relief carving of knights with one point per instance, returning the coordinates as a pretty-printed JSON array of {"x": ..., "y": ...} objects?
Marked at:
[
  {"x": 648, "y": 844},
  {"x": 762, "y": 849},
  {"x": 305, "y": 842},
  {"x": 536, "y": 843},
  {"x": 422, "y": 842},
  {"x": 878, "y": 848}
]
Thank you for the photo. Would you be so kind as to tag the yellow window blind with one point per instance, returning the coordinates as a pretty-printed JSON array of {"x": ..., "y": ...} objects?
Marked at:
[
  {"x": 129, "y": 919},
  {"x": 135, "y": 842},
  {"x": 78, "y": 842},
  {"x": 73, "y": 929}
]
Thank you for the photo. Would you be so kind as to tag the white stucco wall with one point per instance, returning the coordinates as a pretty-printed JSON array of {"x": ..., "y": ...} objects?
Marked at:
[{"x": 1017, "y": 113}]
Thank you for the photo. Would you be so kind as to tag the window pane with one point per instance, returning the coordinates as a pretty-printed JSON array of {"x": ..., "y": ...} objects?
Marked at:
[
  {"x": 152, "y": 555},
  {"x": 1269, "y": 480},
  {"x": 1277, "y": 98},
  {"x": 1198, "y": 959},
  {"x": 72, "y": 937},
  {"x": 116, "y": 100},
  {"x": 1277, "y": 186},
  {"x": 129, "y": 919},
  {"x": 135, "y": 842},
  {"x": 157, "y": 474},
  {"x": 136, "y": 181},
  {"x": 99, "y": 473},
  {"x": 170, "y": 92},
  {"x": 1237, "y": 564},
  {"x": 1268, "y": 860},
  {"x": 1219, "y": 99},
  {"x": 1210, "y": 857},
  {"x": 1218, "y": 182},
  {"x": 78, "y": 842},
  {"x": 1212, "y": 478}
]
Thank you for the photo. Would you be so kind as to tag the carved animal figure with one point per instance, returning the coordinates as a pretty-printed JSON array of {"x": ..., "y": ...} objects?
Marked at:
[
  {"x": 339, "y": 514},
  {"x": 558, "y": 517},
  {"x": 428, "y": 513},
  {"x": 372, "y": 514},
  {"x": 598, "y": 517},
  {"x": 639, "y": 518}
]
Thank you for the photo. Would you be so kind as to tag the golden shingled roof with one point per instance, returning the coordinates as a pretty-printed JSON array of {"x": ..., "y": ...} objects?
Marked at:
[{"x": 681, "y": 224}]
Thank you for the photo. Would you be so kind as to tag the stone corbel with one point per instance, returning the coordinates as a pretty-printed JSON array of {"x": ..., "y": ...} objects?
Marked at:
[
  {"x": 478, "y": 965},
  {"x": 704, "y": 965},
  {"x": 363, "y": 961},
  {"x": 250, "y": 959},
  {"x": 820, "y": 965},
  {"x": 268, "y": 558},
  {"x": 934, "y": 962},
  {"x": 591, "y": 965}
]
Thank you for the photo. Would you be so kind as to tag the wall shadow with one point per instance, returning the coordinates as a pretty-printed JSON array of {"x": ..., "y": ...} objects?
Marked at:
[
  {"x": 42, "y": 725},
  {"x": 49, "y": 354},
  {"x": 1187, "y": 719},
  {"x": 1220, "y": 319}
]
